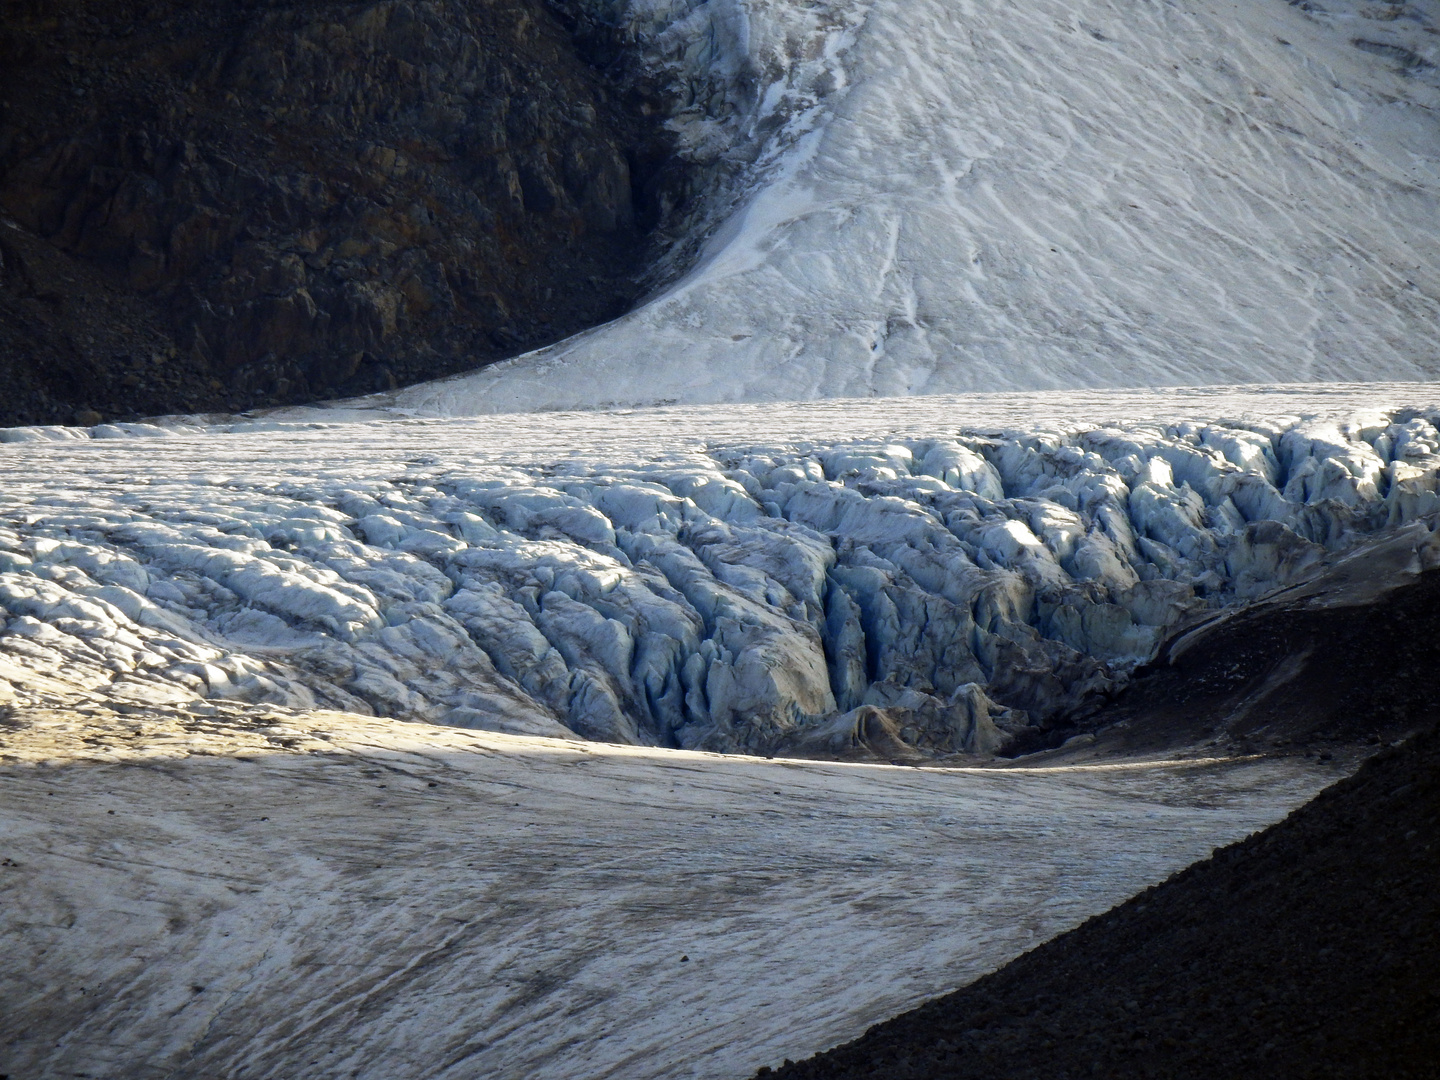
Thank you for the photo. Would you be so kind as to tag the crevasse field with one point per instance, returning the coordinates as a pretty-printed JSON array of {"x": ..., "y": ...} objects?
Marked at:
[
  {"x": 738, "y": 579},
  {"x": 448, "y": 734}
]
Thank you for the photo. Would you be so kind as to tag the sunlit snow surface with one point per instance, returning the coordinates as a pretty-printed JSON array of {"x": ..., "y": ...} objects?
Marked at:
[
  {"x": 957, "y": 196},
  {"x": 322, "y": 896},
  {"x": 717, "y": 579}
]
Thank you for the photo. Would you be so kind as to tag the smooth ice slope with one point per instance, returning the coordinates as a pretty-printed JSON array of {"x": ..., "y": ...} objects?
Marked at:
[
  {"x": 704, "y": 579},
  {"x": 227, "y": 892},
  {"x": 930, "y": 196}
]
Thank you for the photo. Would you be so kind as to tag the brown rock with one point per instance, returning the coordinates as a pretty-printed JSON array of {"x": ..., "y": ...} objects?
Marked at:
[{"x": 269, "y": 192}]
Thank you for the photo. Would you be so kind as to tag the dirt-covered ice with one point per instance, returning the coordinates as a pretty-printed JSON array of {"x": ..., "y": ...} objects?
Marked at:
[{"x": 231, "y": 891}]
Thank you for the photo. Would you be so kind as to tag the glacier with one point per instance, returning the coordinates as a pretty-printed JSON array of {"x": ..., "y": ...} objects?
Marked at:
[
  {"x": 915, "y": 578},
  {"x": 932, "y": 196},
  {"x": 425, "y": 734},
  {"x": 385, "y": 747},
  {"x": 244, "y": 891}
]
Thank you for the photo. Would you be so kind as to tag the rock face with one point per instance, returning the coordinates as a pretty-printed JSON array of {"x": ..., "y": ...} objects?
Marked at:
[{"x": 218, "y": 207}]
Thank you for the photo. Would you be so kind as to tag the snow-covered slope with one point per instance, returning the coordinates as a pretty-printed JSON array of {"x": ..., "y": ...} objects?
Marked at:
[
  {"x": 930, "y": 196},
  {"x": 742, "y": 579},
  {"x": 225, "y": 891}
]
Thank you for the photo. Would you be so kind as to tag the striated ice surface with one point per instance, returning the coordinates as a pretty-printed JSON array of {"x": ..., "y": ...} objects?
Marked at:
[
  {"x": 245, "y": 891},
  {"x": 741, "y": 581},
  {"x": 940, "y": 196}
]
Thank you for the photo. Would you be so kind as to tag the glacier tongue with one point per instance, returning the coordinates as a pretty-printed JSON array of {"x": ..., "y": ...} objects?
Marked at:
[{"x": 937, "y": 589}]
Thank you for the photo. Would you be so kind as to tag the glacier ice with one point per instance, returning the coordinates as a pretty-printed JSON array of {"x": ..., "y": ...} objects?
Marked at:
[
  {"x": 388, "y": 898},
  {"x": 941, "y": 196},
  {"x": 936, "y": 588}
]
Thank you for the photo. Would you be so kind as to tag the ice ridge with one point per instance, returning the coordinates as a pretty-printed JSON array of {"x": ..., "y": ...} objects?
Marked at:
[{"x": 945, "y": 593}]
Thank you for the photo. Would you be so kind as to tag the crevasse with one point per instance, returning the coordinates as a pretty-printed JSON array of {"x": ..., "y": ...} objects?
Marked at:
[{"x": 741, "y": 596}]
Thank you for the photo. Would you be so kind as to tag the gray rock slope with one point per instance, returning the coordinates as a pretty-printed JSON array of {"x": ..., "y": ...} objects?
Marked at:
[{"x": 223, "y": 206}]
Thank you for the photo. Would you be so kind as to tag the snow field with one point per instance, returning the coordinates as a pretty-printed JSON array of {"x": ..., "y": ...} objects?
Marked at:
[
  {"x": 755, "y": 592},
  {"x": 932, "y": 196},
  {"x": 238, "y": 891}
]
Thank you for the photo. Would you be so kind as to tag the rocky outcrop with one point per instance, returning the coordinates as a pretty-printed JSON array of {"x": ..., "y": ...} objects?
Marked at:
[{"x": 260, "y": 202}]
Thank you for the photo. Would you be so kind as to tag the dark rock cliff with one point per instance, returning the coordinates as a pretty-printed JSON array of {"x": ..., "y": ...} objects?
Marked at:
[{"x": 227, "y": 205}]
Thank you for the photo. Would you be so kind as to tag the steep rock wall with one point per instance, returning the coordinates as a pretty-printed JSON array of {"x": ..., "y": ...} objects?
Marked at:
[{"x": 215, "y": 207}]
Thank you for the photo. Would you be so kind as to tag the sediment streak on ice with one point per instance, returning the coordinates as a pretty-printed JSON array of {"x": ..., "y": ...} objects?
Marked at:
[{"x": 704, "y": 579}]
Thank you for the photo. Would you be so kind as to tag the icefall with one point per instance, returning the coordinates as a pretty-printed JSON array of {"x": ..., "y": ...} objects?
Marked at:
[{"x": 945, "y": 595}]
